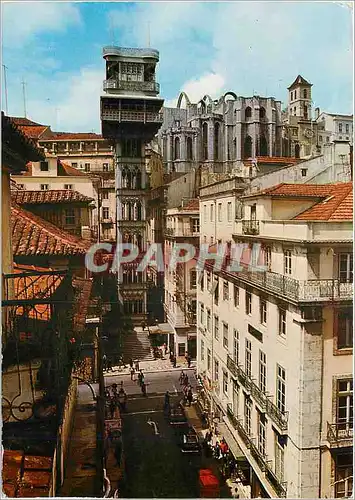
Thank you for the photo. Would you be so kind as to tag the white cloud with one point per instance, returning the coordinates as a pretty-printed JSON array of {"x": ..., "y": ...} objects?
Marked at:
[
  {"x": 210, "y": 84},
  {"x": 21, "y": 21}
]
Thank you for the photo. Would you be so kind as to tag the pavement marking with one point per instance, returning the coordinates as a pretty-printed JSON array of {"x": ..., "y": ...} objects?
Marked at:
[
  {"x": 154, "y": 425},
  {"x": 143, "y": 412},
  {"x": 175, "y": 389}
]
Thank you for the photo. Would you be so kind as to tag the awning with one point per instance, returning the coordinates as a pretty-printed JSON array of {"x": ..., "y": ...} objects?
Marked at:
[
  {"x": 161, "y": 329},
  {"x": 233, "y": 445}
]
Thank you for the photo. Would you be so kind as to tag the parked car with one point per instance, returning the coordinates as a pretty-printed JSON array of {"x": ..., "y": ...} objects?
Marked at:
[
  {"x": 190, "y": 442},
  {"x": 177, "y": 415}
]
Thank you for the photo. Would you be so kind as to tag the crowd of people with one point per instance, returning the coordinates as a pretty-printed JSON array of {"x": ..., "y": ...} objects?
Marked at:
[{"x": 116, "y": 398}]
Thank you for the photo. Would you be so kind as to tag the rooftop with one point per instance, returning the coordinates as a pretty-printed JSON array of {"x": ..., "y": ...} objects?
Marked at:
[
  {"x": 48, "y": 197},
  {"x": 33, "y": 236},
  {"x": 63, "y": 170},
  {"x": 299, "y": 81},
  {"x": 191, "y": 206}
]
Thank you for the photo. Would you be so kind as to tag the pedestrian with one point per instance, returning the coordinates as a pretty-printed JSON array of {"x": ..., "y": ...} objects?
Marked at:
[
  {"x": 167, "y": 401},
  {"x": 136, "y": 365},
  {"x": 109, "y": 365},
  {"x": 104, "y": 362},
  {"x": 132, "y": 373},
  {"x": 186, "y": 380},
  {"x": 131, "y": 363},
  {"x": 182, "y": 377},
  {"x": 188, "y": 359},
  {"x": 189, "y": 395},
  {"x": 171, "y": 356},
  {"x": 142, "y": 377},
  {"x": 144, "y": 389},
  {"x": 166, "y": 349},
  {"x": 122, "y": 399},
  {"x": 114, "y": 390},
  {"x": 112, "y": 408},
  {"x": 217, "y": 450},
  {"x": 174, "y": 361}
]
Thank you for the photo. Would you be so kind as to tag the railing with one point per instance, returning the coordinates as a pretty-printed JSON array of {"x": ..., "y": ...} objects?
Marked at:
[
  {"x": 131, "y": 116},
  {"x": 339, "y": 432},
  {"x": 298, "y": 290},
  {"x": 250, "y": 227},
  {"x": 134, "y": 86},
  {"x": 280, "y": 418},
  {"x": 107, "y": 220},
  {"x": 265, "y": 466}
]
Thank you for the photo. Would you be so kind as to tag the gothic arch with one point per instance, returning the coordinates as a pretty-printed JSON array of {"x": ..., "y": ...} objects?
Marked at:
[
  {"x": 177, "y": 148},
  {"x": 181, "y": 96},
  {"x": 248, "y": 146},
  {"x": 263, "y": 146},
  {"x": 231, "y": 94}
]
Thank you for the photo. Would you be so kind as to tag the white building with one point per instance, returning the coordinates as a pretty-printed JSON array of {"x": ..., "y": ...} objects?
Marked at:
[
  {"x": 182, "y": 226},
  {"x": 275, "y": 346},
  {"x": 334, "y": 127}
]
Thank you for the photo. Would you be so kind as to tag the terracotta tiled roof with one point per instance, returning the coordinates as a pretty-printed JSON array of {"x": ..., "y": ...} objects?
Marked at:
[
  {"x": 64, "y": 136},
  {"x": 20, "y": 120},
  {"x": 278, "y": 160},
  {"x": 33, "y": 236},
  {"x": 192, "y": 205},
  {"x": 33, "y": 131},
  {"x": 65, "y": 169},
  {"x": 337, "y": 205},
  {"x": 295, "y": 191},
  {"x": 48, "y": 197}
]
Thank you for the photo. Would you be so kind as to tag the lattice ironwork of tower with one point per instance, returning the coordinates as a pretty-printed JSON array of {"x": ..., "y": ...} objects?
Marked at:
[{"x": 131, "y": 116}]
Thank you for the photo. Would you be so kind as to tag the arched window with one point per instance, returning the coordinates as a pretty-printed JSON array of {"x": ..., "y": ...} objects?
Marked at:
[
  {"x": 263, "y": 146},
  {"x": 305, "y": 93},
  {"x": 305, "y": 112},
  {"x": 205, "y": 141},
  {"x": 216, "y": 141},
  {"x": 248, "y": 146},
  {"x": 189, "y": 153},
  {"x": 248, "y": 112},
  {"x": 297, "y": 151},
  {"x": 235, "y": 148},
  {"x": 262, "y": 112},
  {"x": 138, "y": 179},
  {"x": 177, "y": 148}
]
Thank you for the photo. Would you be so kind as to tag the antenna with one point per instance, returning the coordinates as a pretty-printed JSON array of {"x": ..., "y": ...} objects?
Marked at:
[
  {"x": 5, "y": 86},
  {"x": 112, "y": 32},
  {"x": 24, "y": 97},
  {"x": 148, "y": 34}
]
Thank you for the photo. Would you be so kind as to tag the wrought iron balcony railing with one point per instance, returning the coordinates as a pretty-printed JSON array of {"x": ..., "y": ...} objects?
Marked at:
[
  {"x": 131, "y": 116},
  {"x": 134, "y": 86},
  {"x": 250, "y": 227},
  {"x": 340, "y": 432},
  {"x": 264, "y": 464},
  {"x": 266, "y": 405}
]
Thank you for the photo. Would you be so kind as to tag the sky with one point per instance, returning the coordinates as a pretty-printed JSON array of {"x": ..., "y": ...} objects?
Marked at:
[{"x": 251, "y": 48}]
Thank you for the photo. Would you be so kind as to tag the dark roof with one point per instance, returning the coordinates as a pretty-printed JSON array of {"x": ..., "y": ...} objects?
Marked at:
[
  {"x": 33, "y": 236},
  {"x": 299, "y": 81},
  {"x": 20, "y": 120},
  {"x": 64, "y": 136},
  {"x": 192, "y": 206},
  {"x": 63, "y": 170},
  {"x": 48, "y": 197}
]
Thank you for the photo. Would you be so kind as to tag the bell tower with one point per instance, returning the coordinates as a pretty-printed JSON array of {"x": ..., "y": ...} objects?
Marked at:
[{"x": 300, "y": 99}]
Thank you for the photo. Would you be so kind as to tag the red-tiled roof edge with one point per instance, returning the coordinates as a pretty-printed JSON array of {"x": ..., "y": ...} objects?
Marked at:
[{"x": 337, "y": 195}]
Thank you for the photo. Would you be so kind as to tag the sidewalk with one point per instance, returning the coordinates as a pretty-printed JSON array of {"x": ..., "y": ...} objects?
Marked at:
[{"x": 157, "y": 365}]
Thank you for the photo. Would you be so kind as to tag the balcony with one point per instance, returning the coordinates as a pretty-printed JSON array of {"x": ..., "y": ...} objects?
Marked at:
[
  {"x": 132, "y": 86},
  {"x": 107, "y": 220},
  {"x": 298, "y": 290},
  {"x": 263, "y": 400},
  {"x": 250, "y": 227},
  {"x": 261, "y": 460},
  {"x": 340, "y": 433},
  {"x": 117, "y": 115}
]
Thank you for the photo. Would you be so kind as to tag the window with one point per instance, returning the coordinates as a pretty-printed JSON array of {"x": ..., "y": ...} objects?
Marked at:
[
  {"x": 216, "y": 372},
  {"x": 263, "y": 311},
  {"x": 280, "y": 388},
  {"x": 131, "y": 148},
  {"x": 248, "y": 112},
  {"x": 343, "y": 475},
  {"x": 216, "y": 291},
  {"x": 347, "y": 128},
  {"x": 44, "y": 187},
  {"x": 202, "y": 350},
  {"x": 43, "y": 166},
  {"x": 340, "y": 127},
  {"x": 267, "y": 258},
  {"x": 202, "y": 314},
  {"x": 193, "y": 277},
  {"x": 87, "y": 167},
  {"x": 287, "y": 262},
  {"x": 195, "y": 225},
  {"x": 248, "y": 358},
  {"x": 209, "y": 280},
  {"x": 344, "y": 405},
  {"x": 282, "y": 322},
  {"x": 211, "y": 213},
  {"x": 225, "y": 290},
  {"x": 247, "y": 303},
  {"x": 75, "y": 165},
  {"x": 262, "y": 371},
  {"x": 327, "y": 138},
  {"x": 105, "y": 213},
  {"x": 225, "y": 383},
  {"x": 346, "y": 267},
  {"x": 209, "y": 320},
  {"x": 304, "y": 172},
  {"x": 345, "y": 329},
  {"x": 219, "y": 212},
  {"x": 70, "y": 217},
  {"x": 236, "y": 295},
  {"x": 216, "y": 327},
  {"x": 202, "y": 280},
  {"x": 205, "y": 213},
  {"x": 262, "y": 112},
  {"x": 229, "y": 211},
  {"x": 69, "y": 187},
  {"x": 235, "y": 346},
  {"x": 261, "y": 434},
  {"x": 225, "y": 335},
  {"x": 247, "y": 414},
  {"x": 104, "y": 195},
  {"x": 189, "y": 150},
  {"x": 177, "y": 148},
  {"x": 105, "y": 167},
  {"x": 279, "y": 457},
  {"x": 209, "y": 359},
  {"x": 305, "y": 93}
]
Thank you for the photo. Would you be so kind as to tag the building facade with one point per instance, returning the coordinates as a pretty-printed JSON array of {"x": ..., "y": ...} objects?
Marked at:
[
  {"x": 130, "y": 116},
  {"x": 275, "y": 342}
]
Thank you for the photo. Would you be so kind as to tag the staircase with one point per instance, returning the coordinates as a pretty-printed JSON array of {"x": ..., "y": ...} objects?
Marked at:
[{"x": 137, "y": 346}]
